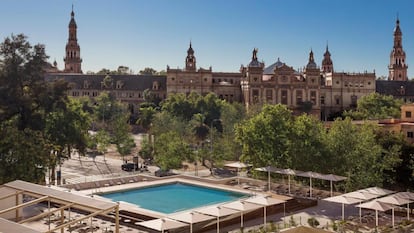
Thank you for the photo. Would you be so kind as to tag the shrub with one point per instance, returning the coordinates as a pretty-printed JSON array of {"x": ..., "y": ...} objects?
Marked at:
[{"x": 313, "y": 222}]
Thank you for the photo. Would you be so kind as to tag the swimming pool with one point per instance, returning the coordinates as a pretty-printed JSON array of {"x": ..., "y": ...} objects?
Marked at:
[{"x": 174, "y": 197}]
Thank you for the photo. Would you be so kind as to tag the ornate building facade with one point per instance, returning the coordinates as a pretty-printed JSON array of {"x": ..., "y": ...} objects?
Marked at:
[
  {"x": 226, "y": 85},
  {"x": 281, "y": 84},
  {"x": 317, "y": 90}
]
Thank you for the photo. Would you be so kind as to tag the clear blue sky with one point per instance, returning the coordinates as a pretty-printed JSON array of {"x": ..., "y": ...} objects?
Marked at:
[{"x": 156, "y": 33}]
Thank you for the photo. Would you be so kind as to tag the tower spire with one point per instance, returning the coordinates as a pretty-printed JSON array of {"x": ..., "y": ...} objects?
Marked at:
[
  {"x": 190, "y": 60},
  {"x": 327, "y": 64},
  {"x": 397, "y": 67},
  {"x": 72, "y": 59}
]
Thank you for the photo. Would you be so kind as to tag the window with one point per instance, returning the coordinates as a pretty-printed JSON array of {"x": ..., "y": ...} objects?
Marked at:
[
  {"x": 269, "y": 96},
  {"x": 255, "y": 96},
  {"x": 313, "y": 97},
  {"x": 354, "y": 100},
  {"x": 284, "y": 99},
  {"x": 155, "y": 85},
  {"x": 86, "y": 84},
  {"x": 337, "y": 100},
  {"x": 299, "y": 96},
  {"x": 408, "y": 114},
  {"x": 322, "y": 100},
  {"x": 119, "y": 84},
  {"x": 410, "y": 134}
]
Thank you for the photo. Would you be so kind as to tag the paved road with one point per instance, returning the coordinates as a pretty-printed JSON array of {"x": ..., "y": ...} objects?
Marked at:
[{"x": 79, "y": 169}]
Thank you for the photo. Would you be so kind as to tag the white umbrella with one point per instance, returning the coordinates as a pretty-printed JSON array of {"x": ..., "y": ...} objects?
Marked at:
[
  {"x": 394, "y": 200},
  {"x": 266, "y": 201},
  {"x": 409, "y": 196},
  {"x": 217, "y": 211},
  {"x": 363, "y": 196},
  {"x": 378, "y": 190},
  {"x": 310, "y": 175},
  {"x": 191, "y": 218},
  {"x": 267, "y": 169},
  {"x": 241, "y": 206},
  {"x": 343, "y": 200},
  {"x": 377, "y": 206},
  {"x": 238, "y": 166},
  {"x": 162, "y": 224},
  {"x": 288, "y": 172},
  {"x": 331, "y": 178}
]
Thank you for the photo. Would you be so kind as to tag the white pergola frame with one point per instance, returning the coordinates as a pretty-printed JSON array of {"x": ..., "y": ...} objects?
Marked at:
[{"x": 66, "y": 200}]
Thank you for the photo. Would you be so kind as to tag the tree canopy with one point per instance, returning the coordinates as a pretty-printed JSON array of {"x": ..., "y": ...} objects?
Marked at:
[
  {"x": 376, "y": 106},
  {"x": 27, "y": 105}
]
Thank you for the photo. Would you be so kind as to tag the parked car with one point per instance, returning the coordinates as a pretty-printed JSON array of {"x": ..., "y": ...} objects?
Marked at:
[
  {"x": 128, "y": 167},
  {"x": 161, "y": 173}
]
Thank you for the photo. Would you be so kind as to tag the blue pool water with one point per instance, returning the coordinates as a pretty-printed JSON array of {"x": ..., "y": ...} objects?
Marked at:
[{"x": 170, "y": 198}]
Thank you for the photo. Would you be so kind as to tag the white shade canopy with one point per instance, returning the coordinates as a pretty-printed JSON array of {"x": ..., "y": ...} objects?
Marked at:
[
  {"x": 377, "y": 206},
  {"x": 237, "y": 165},
  {"x": 288, "y": 171},
  {"x": 265, "y": 201},
  {"x": 406, "y": 195},
  {"x": 267, "y": 169},
  {"x": 343, "y": 200},
  {"x": 362, "y": 195},
  {"x": 162, "y": 224},
  {"x": 216, "y": 211},
  {"x": 311, "y": 174},
  {"x": 332, "y": 177},
  {"x": 377, "y": 190},
  {"x": 242, "y": 205},
  {"x": 394, "y": 200},
  {"x": 191, "y": 217}
]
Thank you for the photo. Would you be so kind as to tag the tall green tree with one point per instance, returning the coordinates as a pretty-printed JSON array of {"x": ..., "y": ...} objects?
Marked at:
[
  {"x": 355, "y": 154},
  {"x": 26, "y": 103},
  {"x": 307, "y": 144},
  {"x": 171, "y": 151},
  {"x": 376, "y": 106},
  {"x": 265, "y": 137}
]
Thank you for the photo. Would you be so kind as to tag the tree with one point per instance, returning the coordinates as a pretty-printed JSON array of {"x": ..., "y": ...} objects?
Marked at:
[
  {"x": 24, "y": 154},
  {"x": 171, "y": 151},
  {"x": 265, "y": 137},
  {"x": 307, "y": 147},
  {"x": 26, "y": 103},
  {"x": 147, "y": 149},
  {"x": 376, "y": 106},
  {"x": 148, "y": 71},
  {"x": 146, "y": 115},
  {"x": 354, "y": 153}
]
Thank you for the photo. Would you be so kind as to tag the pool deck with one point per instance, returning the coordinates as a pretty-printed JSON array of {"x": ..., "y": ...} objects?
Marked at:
[{"x": 154, "y": 214}]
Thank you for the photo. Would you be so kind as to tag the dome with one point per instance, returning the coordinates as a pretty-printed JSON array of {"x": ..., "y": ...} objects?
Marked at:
[
  {"x": 254, "y": 63},
  {"x": 271, "y": 69},
  {"x": 311, "y": 65}
]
